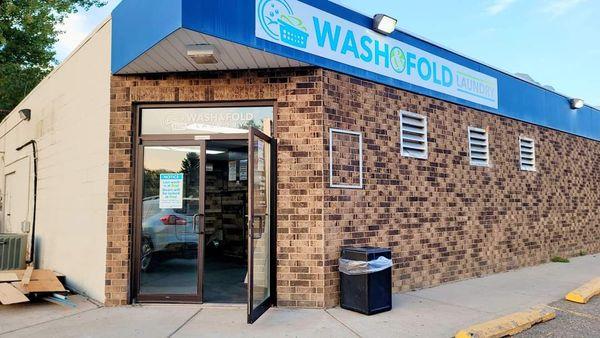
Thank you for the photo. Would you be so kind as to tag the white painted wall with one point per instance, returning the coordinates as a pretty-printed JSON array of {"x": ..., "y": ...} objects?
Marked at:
[{"x": 70, "y": 122}]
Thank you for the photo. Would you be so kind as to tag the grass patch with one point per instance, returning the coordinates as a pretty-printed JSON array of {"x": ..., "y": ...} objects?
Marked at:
[{"x": 558, "y": 259}]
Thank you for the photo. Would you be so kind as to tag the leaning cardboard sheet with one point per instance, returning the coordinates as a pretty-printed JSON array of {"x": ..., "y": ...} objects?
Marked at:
[{"x": 20, "y": 286}]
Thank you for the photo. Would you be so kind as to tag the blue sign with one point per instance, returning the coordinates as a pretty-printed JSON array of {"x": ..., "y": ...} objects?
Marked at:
[{"x": 300, "y": 26}]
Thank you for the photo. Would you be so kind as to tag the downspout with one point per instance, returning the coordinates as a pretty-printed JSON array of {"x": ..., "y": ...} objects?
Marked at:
[{"x": 35, "y": 180}]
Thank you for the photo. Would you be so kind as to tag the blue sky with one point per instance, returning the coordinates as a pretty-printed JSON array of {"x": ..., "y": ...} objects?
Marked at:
[{"x": 554, "y": 41}]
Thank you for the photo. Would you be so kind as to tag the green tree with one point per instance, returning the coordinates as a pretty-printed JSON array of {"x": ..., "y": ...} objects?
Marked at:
[
  {"x": 190, "y": 167},
  {"x": 28, "y": 32},
  {"x": 152, "y": 182}
]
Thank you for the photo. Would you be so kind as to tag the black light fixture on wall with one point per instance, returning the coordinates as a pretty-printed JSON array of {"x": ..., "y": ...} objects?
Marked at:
[{"x": 25, "y": 114}]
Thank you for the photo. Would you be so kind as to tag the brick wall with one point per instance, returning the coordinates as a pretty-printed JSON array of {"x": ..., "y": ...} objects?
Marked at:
[
  {"x": 444, "y": 219},
  {"x": 299, "y": 129}
]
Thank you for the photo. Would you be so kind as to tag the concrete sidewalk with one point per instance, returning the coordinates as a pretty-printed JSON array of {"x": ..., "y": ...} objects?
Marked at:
[{"x": 435, "y": 312}]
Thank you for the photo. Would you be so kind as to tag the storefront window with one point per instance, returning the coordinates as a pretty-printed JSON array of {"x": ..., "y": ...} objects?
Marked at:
[{"x": 206, "y": 120}]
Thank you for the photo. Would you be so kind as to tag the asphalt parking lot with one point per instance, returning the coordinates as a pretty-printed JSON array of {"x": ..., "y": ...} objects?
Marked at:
[{"x": 572, "y": 320}]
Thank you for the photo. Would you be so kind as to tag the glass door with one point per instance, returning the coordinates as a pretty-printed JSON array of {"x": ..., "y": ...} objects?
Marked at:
[
  {"x": 260, "y": 281},
  {"x": 171, "y": 208}
]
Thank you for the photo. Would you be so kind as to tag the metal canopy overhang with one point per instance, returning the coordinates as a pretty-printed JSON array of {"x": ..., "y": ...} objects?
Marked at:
[
  {"x": 170, "y": 55},
  {"x": 146, "y": 35}
]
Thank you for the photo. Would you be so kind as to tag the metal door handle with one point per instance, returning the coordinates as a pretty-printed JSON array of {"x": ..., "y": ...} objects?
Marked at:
[
  {"x": 198, "y": 226},
  {"x": 261, "y": 227}
]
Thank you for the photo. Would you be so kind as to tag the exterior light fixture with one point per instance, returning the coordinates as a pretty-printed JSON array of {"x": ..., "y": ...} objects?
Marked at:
[
  {"x": 576, "y": 103},
  {"x": 384, "y": 24},
  {"x": 25, "y": 114},
  {"x": 203, "y": 54}
]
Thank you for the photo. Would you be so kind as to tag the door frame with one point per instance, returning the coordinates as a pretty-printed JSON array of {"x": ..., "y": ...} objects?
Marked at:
[
  {"x": 254, "y": 313},
  {"x": 137, "y": 247},
  {"x": 139, "y": 141}
]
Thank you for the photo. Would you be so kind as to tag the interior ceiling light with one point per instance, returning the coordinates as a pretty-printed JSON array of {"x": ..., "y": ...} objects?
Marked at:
[
  {"x": 215, "y": 152},
  {"x": 576, "y": 103},
  {"x": 384, "y": 24},
  {"x": 203, "y": 54},
  {"x": 192, "y": 150}
]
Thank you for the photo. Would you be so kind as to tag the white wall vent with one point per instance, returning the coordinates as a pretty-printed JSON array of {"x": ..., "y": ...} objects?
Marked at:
[
  {"x": 527, "y": 153},
  {"x": 479, "y": 147},
  {"x": 413, "y": 138}
]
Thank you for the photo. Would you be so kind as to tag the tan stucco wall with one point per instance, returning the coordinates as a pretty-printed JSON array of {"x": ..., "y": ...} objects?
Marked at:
[{"x": 70, "y": 122}]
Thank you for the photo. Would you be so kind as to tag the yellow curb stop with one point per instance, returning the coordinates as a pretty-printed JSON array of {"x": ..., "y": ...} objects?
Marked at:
[
  {"x": 509, "y": 325},
  {"x": 585, "y": 292}
]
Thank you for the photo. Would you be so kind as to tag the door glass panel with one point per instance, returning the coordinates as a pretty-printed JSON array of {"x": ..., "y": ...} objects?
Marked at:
[
  {"x": 226, "y": 206},
  {"x": 260, "y": 225},
  {"x": 169, "y": 248},
  {"x": 206, "y": 121}
]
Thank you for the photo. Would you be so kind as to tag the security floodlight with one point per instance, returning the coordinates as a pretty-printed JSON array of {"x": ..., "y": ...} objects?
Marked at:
[
  {"x": 203, "y": 54},
  {"x": 576, "y": 103},
  {"x": 384, "y": 24},
  {"x": 25, "y": 114}
]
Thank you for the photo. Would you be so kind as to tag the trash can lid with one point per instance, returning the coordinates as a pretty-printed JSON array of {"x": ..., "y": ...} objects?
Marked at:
[{"x": 365, "y": 253}]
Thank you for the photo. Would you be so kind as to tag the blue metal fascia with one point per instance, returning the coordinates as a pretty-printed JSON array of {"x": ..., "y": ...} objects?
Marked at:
[
  {"x": 233, "y": 20},
  {"x": 137, "y": 25}
]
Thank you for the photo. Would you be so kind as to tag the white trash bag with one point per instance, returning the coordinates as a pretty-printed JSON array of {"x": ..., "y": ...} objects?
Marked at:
[{"x": 351, "y": 267}]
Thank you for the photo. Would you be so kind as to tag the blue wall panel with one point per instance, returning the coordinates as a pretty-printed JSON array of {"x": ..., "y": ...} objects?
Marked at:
[
  {"x": 137, "y": 25},
  {"x": 233, "y": 20}
]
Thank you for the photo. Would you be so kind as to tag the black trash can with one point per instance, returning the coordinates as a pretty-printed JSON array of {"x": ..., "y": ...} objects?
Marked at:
[{"x": 366, "y": 280}]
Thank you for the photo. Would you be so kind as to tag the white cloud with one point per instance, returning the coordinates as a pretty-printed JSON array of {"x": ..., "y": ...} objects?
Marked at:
[
  {"x": 77, "y": 26},
  {"x": 499, "y": 6},
  {"x": 559, "y": 7},
  {"x": 74, "y": 29}
]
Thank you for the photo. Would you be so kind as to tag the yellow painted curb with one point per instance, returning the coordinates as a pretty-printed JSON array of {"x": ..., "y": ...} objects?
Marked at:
[
  {"x": 509, "y": 325},
  {"x": 585, "y": 292}
]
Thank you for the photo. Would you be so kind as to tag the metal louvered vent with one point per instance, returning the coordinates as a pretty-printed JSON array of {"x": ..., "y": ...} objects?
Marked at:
[
  {"x": 479, "y": 147},
  {"x": 413, "y": 138},
  {"x": 527, "y": 153},
  {"x": 12, "y": 251}
]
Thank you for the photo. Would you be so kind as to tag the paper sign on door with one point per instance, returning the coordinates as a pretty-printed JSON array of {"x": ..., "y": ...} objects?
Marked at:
[
  {"x": 243, "y": 170},
  {"x": 232, "y": 171},
  {"x": 171, "y": 191}
]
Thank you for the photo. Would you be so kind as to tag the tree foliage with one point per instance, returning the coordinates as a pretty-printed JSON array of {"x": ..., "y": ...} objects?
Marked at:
[
  {"x": 28, "y": 32},
  {"x": 190, "y": 167}
]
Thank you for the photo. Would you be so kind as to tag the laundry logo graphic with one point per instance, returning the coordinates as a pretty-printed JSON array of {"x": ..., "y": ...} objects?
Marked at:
[
  {"x": 277, "y": 19},
  {"x": 398, "y": 59}
]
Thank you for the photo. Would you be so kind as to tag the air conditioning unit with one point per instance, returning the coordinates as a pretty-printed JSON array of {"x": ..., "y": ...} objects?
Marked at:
[{"x": 13, "y": 251}]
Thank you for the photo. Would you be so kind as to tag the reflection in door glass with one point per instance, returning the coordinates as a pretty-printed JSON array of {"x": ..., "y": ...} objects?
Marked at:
[
  {"x": 169, "y": 248},
  {"x": 261, "y": 223}
]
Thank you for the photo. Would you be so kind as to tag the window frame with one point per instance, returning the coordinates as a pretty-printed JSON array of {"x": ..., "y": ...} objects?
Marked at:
[
  {"x": 333, "y": 131},
  {"x": 140, "y": 106}
]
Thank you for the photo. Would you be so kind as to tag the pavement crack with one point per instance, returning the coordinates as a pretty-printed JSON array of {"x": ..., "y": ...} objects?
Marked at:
[
  {"x": 344, "y": 324},
  {"x": 185, "y": 323},
  {"x": 50, "y": 321},
  {"x": 450, "y": 304}
]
